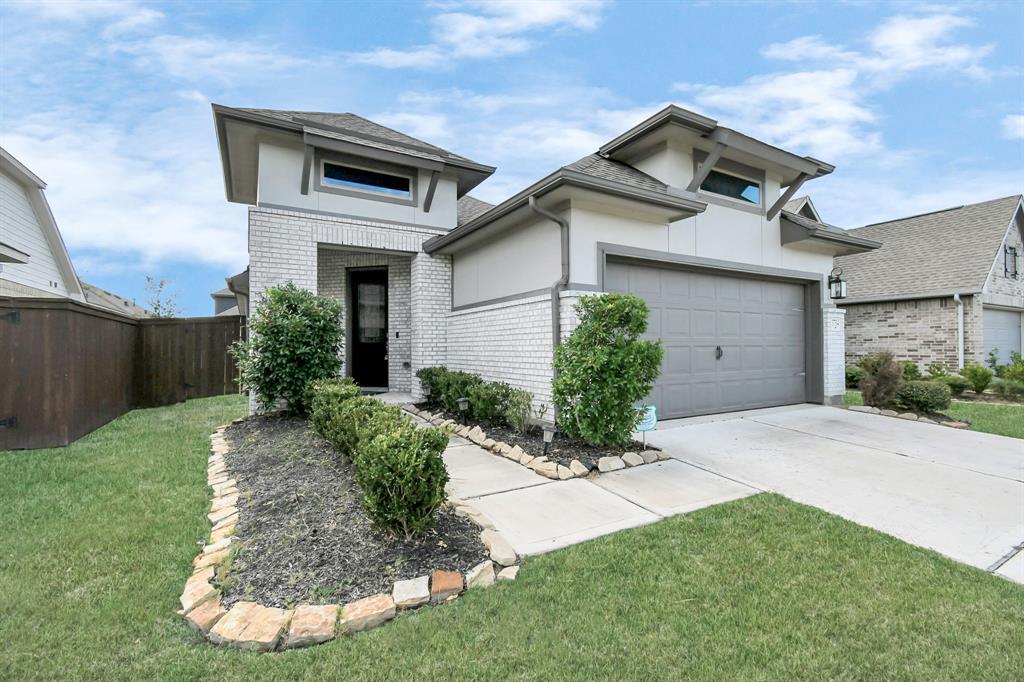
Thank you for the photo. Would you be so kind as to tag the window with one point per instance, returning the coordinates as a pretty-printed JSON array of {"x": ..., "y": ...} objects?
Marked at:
[
  {"x": 363, "y": 180},
  {"x": 732, "y": 186},
  {"x": 1010, "y": 261}
]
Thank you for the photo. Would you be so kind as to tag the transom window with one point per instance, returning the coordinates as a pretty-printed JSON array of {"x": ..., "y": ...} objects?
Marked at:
[
  {"x": 363, "y": 180},
  {"x": 1010, "y": 261},
  {"x": 732, "y": 186}
]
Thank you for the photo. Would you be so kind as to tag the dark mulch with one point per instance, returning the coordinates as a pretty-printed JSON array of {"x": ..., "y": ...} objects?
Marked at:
[
  {"x": 304, "y": 534},
  {"x": 562, "y": 450}
]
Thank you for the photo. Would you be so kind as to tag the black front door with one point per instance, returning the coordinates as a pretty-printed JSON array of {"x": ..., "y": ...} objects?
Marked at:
[{"x": 369, "y": 356}]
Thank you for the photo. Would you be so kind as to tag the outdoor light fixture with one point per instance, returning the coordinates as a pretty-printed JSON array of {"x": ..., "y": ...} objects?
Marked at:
[
  {"x": 836, "y": 284},
  {"x": 549, "y": 435},
  {"x": 463, "y": 404}
]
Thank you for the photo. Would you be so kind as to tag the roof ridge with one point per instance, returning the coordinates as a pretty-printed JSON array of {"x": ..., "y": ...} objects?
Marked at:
[{"x": 940, "y": 210}]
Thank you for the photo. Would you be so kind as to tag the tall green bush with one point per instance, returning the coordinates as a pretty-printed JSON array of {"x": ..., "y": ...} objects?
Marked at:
[
  {"x": 882, "y": 378},
  {"x": 402, "y": 476},
  {"x": 923, "y": 396},
  {"x": 978, "y": 377},
  {"x": 854, "y": 375},
  {"x": 911, "y": 372},
  {"x": 1015, "y": 370},
  {"x": 294, "y": 338},
  {"x": 604, "y": 368}
]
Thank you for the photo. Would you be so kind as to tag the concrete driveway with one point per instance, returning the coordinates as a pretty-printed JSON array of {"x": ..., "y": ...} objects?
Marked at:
[{"x": 960, "y": 493}]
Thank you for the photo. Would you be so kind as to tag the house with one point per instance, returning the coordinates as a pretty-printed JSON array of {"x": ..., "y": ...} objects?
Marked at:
[
  {"x": 234, "y": 298},
  {"x": 679, "y": 210},
  {"x": 945, "y": 286},
  {"x": 34, "y": 262}
]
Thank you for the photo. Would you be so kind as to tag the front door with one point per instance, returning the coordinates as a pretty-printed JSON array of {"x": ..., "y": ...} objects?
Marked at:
[{"x": 369, "y": 350}]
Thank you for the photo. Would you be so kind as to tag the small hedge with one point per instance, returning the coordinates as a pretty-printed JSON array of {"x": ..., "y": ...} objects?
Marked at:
[
  {"x": 488, "y": 401},
  {"x": 978, "y": 377},
  {"x": 957, "y": 384},
  {"x": 854, "y": 375},
  {"x": 398, "y": 467},
  {"x": 911, "y": 372},
  {"x": 1009, "y": 388},
  {"x": 923, "y": 396}
]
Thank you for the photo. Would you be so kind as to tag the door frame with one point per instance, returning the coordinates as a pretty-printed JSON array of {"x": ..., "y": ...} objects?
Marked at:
[
  {"x": 350, "y": 320},
  {"x": 813, "y": 283}
]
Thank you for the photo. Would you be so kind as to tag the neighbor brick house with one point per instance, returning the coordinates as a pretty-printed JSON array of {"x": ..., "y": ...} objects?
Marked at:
[
  {"x": 945, "y": 286},
  {"x": 679, "y": 210}
]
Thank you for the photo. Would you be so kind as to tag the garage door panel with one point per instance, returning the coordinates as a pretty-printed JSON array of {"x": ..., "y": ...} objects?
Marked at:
[
  {"x": 1002, "y": 332},
  {"x": 759, "y": 325}
]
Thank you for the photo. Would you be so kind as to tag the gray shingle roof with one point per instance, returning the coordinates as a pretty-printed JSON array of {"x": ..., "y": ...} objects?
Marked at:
[
  {"x": 352, "y": 128},
  {"x": 599, "y": 167},
  {"x": 118, "y": 304},
  {"x": 470, "y": 207},
  {"x": 941, "y": 252}
]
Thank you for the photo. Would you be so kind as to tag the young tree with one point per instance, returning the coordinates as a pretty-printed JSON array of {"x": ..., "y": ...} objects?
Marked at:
[{"x": 162, "y": 301}]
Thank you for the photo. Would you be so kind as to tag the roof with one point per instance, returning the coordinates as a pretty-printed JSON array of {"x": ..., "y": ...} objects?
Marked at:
[
  {"x": 223, "y": 293},
  {"x": 939, "y": 253},
  {"x": 470, "y": 208},
  {"x": 802, "y": 206},
  {"x": 108, "y": 301},
  {"x": 616, "y": 171},
  {"x": 796, "y": 227}
]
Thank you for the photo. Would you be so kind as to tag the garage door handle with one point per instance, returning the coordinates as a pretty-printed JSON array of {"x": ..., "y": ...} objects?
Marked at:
[{"x": 719, "y": 353}]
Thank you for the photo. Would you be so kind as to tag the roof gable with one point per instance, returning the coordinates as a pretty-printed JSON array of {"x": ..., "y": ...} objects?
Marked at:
[{"x": 936, "y": 253}]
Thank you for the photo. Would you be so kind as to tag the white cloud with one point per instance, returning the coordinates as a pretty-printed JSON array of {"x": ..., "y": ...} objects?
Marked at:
[
  {"x": 1013, "y": 126},
  {"x": 135, "y": 195},
  {"x": 485, "y": 29},
  {"x": 120, "y": 16}
]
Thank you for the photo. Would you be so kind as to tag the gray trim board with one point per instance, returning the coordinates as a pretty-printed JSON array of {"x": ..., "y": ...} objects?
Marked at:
[
  {"x": 428, "y": 200},
  {"x": 703, "y": 169},
  {"x": 361, "y": 218},
  {"x": 787, "y": 195},
  {"x": 906, "y": 297},
  {"x": 307, "y": 167},
  {"x": 9, "y": 254},
  {"x": 729, "y": 167},
  {"x": 502, "y": 299},
  {"x": 813, "y": 282}
]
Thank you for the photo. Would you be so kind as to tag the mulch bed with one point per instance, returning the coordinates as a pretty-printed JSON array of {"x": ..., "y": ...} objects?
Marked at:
[
  {"x": 562, "y": 450},
  {"x": 304, "y": 534}
]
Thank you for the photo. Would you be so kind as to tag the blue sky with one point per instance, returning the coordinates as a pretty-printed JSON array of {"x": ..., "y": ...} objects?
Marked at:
[{"x": 919, "y": 106}]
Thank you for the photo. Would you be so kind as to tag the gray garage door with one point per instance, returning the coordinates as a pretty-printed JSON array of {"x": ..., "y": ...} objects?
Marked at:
[
  {"x": 1002, "y": 331},
  {"x": 730, "y": 343}
]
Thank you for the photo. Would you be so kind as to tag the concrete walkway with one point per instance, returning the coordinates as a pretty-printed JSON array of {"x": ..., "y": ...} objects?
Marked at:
[{"x": 536, "y": 514}]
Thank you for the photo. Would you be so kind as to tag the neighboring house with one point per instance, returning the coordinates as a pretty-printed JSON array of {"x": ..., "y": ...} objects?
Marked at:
[
  {"x": 234, "y": 298},
  {"x": 34, "y": 262},
  {"x": 679, "y": 210},
  {"x": 946, "y": 286}
]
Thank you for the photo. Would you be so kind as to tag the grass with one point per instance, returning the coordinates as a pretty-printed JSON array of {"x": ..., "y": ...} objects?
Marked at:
[
  {"x": 998, "y": 418},
  {"x": 98, "y": 537}
]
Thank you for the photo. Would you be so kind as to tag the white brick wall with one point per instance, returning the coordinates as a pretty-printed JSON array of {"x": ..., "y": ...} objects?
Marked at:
[
  {"x": 430, "y": 298},
  {"x": 835, "y": 354}
]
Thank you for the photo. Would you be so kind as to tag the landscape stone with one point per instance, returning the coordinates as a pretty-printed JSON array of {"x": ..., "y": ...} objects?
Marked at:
[
  {"x": 606, "y": 464},
  {"x": 477, "y": 435},
  {"x": 312, "y": 625},
  {"x": 462, "y": 431},
  {"x": 502, "y": 447},
  {"x": 632, "y": 459},
  {"x": 223, "y": 502},
  {"x": 266, "y": 626},
  {"x": 548, "y": 469},
  {"x": 229, "y": 520},
  {"x": 233, "y": 623},
  {"x": 197, "y": 589},
  {"x": 221, "y": 533},
  {"x": 206, "y": 615},
  {"x": 367, "y": 613},
  {"x": 889, "y": 413},
  {"x": 487, "y": 444},
  {"x": 926, "y": 420},
  {"x": 649, "y": 456},
  {"x": 204, "y": 560},
  {"x": 908, "y": 415},
  {"x": 216, "y": 517},
  {"x": 861, "y": 408},
  {"x": 536, "y": 462},
  {"x": 577, "y": 467},
  {"x": 508, "y": 573},
  {"x": 216, "y": 546},
  {"x": 564, "y": 473},
  {"x": 526, "y": 459},
  {"x": 444, "y": 584},
  {"x": 501, "y": 552},
  {"x": 481, "y": 575},
  {"x": 516, "y": 454},
  {"x": 218, "y": 480},
  {"x": 662, "y": 455},
  {"x": 411, "y": 593}
]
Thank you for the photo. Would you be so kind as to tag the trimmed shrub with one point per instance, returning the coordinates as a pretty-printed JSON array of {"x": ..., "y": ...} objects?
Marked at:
[
  {"x": 432, "y": 379},
  {"x": 347, "y": 422},
  {"x": 923, "y": 396},
  {"x": 294, "y": 338},
  {"x": 911, "y": 372},
  {"x": 324, "y": 397},
  {"x": 487, "y": 400},
  {"x": 455, "y": 385},
  {"x": 1015, "y": 370},
  {"x": 936, "y": 370},
  {"x": 854, "y": 375},
  {"x": 402, "y": 476},
  {"x": 883, "y": 377},
  {"x": 518, "y": 411},
  {"x": 978, "y": 377},
  {"x": 1009, "y": 388},
  {"x": 604, "y": 368},
  {"x": 957, "y": 384}
]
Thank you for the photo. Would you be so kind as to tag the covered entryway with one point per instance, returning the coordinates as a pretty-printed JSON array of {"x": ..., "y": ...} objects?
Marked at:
[
  {"x": 1002, "y": 332},
  {"x": 732, "y": 342}
]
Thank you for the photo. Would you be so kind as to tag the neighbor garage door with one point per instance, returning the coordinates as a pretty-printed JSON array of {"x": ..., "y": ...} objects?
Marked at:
[
  {"x": 730, "y": 343},
  {"x": 1002, "y": 331}
]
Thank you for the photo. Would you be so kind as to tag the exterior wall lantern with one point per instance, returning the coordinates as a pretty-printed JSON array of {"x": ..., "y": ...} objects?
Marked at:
[{"x": 836, "y": 283}]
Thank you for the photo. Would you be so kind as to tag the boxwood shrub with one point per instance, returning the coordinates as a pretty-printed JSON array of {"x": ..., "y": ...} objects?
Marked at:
[
  {"x": 911, "y": 372},
  {"x": 957, "y": 384},
  {"x": 402, "y": 477},
  {"x": 1009, "y": 388},
  {"x": 923, "y": 396},
  {"x": 854, "y": 375},
  {"x": 488, "y": 401},
  {"x": 978, "y": 377}
]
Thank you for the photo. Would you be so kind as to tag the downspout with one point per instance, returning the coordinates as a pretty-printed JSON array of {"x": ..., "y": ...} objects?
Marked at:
[
  {"x": 959, "y": 331},
  {"x": 558, "y": 287}
]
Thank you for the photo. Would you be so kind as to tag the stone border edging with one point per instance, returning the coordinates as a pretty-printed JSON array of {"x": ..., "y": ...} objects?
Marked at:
[
  {"x": 540, "y": 465},
  {"x": 909, "y": 416},
  {"x": 251, "y": 626}
]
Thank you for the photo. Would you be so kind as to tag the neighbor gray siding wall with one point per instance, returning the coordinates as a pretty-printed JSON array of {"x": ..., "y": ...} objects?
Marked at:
[{"x": 21, "y": 230}]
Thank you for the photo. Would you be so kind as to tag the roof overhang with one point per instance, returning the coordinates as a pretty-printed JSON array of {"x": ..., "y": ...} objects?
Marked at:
[
  {"x": 9, "y": 254},
  {"x": 240, "y": 132},
  {"x": 800, "y": 231},
  {"x": 556, "y": 189},
  {"x": 705, "y": 134}
]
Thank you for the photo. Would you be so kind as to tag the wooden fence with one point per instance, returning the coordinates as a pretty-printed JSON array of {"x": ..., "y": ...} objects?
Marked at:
[{"x": 68, "y": 368}]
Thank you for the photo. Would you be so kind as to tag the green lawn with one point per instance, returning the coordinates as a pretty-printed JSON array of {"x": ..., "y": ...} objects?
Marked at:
[
  {"x": 1001, "y": 419},
  {"x": 97, "y": 540}
]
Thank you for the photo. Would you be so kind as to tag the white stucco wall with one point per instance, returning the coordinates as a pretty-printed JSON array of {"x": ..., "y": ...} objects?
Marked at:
[
  {"x": 19, "y": 227},
  {"x": 280, "y": 176}
]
